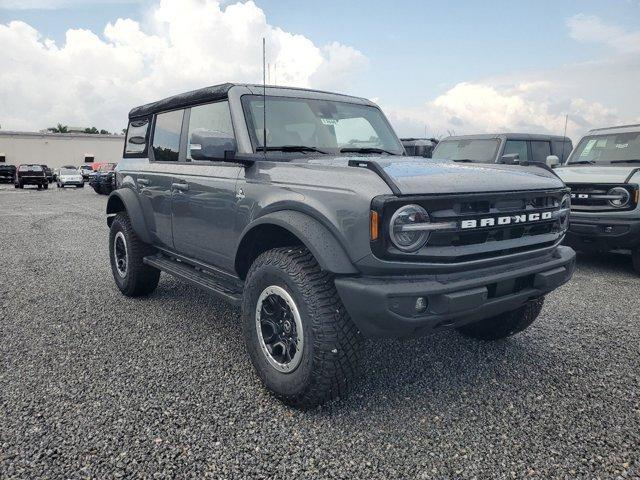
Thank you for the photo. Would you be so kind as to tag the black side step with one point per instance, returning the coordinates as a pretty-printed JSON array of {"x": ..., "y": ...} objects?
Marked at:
[{"x": 226, "y": 290}]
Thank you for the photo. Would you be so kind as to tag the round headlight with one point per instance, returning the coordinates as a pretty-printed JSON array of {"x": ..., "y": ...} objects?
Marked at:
[
  {"x": 404, "y": 228},
  {"x": 623, "y": 197}
]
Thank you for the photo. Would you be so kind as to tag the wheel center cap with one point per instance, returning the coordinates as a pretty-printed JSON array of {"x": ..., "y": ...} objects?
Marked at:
[{"x": 286, "y": 326}]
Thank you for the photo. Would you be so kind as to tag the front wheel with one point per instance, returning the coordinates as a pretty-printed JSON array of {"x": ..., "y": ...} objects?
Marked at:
[
  {"x": 133, "y": 277},
  {"x": 300, "y": 339},
  {"x": 505, "y": 324},
  {"x": 45, "y": 186}
]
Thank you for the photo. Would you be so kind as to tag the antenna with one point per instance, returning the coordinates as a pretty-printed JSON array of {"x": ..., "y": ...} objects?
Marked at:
[
  {"x": 564, "y": 140},
  {"x": 264, "y": 96}
]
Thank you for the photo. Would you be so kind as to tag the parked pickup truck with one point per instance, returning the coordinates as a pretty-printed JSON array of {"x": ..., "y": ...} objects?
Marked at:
[
  {"x": 507, "y": 148},
  {"x": 31, "y": 175},
  {"x": 603, "y": 173},
  {"x": 319, "y": 227}
]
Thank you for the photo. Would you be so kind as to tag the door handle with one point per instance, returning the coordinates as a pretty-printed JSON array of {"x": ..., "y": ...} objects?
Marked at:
[
  {"x": 180, "y": 187},
  {"x": 143, "y": 182}
]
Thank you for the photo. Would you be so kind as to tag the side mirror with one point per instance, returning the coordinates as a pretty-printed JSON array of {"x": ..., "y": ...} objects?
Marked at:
[
  {"x": 207, "y": 146},
  {"x": 553, "y": 161},
  {"x": 510, "y": 159}
]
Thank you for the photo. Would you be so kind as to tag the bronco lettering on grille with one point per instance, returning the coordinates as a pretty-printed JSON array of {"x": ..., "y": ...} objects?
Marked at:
[{"x": 506, "y": 220}]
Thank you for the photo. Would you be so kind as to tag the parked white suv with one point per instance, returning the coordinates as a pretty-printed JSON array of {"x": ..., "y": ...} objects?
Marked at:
[{"x": 70, "y": 177}]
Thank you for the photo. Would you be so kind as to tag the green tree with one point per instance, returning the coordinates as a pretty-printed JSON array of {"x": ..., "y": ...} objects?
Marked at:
[
  {"x": 59, "y": 129},
  {"x": 104, "y": 132},
  {"x": 92, "y": 130}
]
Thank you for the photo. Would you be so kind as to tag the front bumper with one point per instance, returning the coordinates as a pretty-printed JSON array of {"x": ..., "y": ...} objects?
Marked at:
[
  {"x": 602, "y": 234},
  {"x": 71, "y": 182},
  {"x": 385, "y": 306}
]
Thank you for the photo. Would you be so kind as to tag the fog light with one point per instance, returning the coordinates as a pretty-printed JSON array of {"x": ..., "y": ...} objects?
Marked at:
[{"x": 421, "y": 304}]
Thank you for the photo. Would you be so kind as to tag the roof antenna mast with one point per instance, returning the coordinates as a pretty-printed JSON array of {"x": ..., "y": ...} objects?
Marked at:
[
  {"x": 564, "y": 140},
  {"x": 264, "y": 96}
]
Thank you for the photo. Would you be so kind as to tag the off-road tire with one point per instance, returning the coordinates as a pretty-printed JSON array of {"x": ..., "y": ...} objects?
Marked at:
[
  {"x": 140, "y": 279},
  {"x": 16, "y": 185},
  {"x": 331, "y": 351},
  {"x": 635, "y": 259},
  {"x": 505, "y": 324}
]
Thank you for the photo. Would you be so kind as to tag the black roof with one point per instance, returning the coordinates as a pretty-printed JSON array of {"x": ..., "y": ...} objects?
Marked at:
[{"x": 202, "y": 95}]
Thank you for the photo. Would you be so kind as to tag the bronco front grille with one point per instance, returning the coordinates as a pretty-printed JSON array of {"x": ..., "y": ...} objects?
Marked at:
[
  {"x": 497, "y": 224},
  {"x": 589, "y": 197}
]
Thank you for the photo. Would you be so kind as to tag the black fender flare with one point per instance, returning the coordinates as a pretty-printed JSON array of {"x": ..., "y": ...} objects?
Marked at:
[
  {"x": 127, "y": 200},
  {"x": 325, "y": 247}
]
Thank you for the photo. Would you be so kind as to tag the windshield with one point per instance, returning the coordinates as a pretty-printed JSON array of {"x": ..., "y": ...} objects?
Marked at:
[
  {"x": 610, "y": 148},
  {"x": 320, "y": 125},
  {"x": 30, "y": 168},
  {"x": 478, "y": 150},
  {"x": 68, "y": 171}
]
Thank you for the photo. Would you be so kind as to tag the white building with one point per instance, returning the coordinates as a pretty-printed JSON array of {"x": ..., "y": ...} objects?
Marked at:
[{"x": 58, "y": 149}]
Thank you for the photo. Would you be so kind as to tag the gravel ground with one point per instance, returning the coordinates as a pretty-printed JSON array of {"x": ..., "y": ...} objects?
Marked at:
[{"x": 93, "y": 384}]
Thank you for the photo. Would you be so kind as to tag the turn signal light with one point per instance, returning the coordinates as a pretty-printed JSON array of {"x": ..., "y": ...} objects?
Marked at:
[{"x": 374, "y": 225}]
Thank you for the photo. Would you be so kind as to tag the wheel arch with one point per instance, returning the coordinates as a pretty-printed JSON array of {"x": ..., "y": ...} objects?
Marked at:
[
  {"x": 290, "y": 227},
  {"x": 125, "y": 200}
]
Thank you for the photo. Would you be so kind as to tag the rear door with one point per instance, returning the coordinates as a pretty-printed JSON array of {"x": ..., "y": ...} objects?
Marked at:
[
  {"x": 155, "y": 182},
  {"x": 204, "y": 195}
]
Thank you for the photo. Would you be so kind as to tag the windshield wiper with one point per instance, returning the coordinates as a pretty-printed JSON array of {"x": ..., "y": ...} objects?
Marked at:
[
  {"x": 289, "y": 148},
  {"x": 365, "y": 150},
  {"x": 465, "y": 160},
  {"x": 582, "y": 162},
  {"x": 631, "y": 160}
]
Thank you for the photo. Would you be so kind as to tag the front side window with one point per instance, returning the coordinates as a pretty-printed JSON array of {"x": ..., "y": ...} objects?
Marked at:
[
  {"x": 166, "y": 136},
  {"x": 328, "y": 126},
  {"x": 136, "y": 141},
  {"x": 607, "y": 149},
  {"x": 519, "y": 147},
  {"x": 210, "y": 132},
  {"x": 467, "y": 150}
]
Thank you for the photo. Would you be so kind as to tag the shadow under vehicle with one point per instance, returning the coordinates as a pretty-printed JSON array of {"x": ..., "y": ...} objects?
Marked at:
[
  {"x": 302, "y": 208},
  {"x": 603, "y": 173},
  {"x": 506, "y": 148},
  {"x": 28, "y": 174}
]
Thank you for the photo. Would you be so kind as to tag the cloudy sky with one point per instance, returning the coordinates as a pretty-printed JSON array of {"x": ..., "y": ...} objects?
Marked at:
[{"x": 434, "y": 67}]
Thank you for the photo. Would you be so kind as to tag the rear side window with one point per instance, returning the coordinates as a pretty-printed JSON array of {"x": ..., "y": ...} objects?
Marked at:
[
  {"x": 136, "y": 142},
  {"x": 517, "y": 146},
  {"x": 166, "y": 136},
  {"x": 540, "y": 150}
]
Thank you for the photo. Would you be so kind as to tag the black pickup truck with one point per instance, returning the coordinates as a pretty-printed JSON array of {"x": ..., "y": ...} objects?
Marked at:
[{"x": 31, "y": 175}]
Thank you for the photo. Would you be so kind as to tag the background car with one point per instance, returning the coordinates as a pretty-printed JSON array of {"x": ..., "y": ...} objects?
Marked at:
[
  {"x": 7, "y": 173},
  {"x": 85, "y": 170},
  {"x": 48, "y": 173},
  {"x": 28, "y": 174},
  {"x": 419, "y": 147},
  {"x": 103, "y": 180},
  {"x": 70, "y": 177}
]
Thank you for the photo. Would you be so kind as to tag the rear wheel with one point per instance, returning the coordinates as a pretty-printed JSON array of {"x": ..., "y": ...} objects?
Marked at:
[
  {"x": 298, "y": 334},
  {"x": 635, "y": 258},
  {"x": 505, "y": 324},
  {"x": 133, "y": 277},
  {"x": 45, "y": 186}
]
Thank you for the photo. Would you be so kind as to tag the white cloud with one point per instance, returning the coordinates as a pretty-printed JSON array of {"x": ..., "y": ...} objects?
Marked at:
[
  {"x": 537, "y": 101},
  {"x": 589, "y": 28},
  {"x": 95, "y": 80}
]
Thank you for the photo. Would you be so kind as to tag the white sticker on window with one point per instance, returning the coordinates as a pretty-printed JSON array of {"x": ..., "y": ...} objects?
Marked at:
[
  {"x": 329, "y": 121},
  {"x": 622, "y": 145}
]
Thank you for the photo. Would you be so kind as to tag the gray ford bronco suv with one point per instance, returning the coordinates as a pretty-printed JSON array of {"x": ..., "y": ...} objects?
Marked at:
[
  {"x": 603, "y": 173},
  {"x": 309, "y": 217}
]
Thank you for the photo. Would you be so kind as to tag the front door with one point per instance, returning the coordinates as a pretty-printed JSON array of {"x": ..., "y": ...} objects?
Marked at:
[{"x": 204, "y": 192}]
